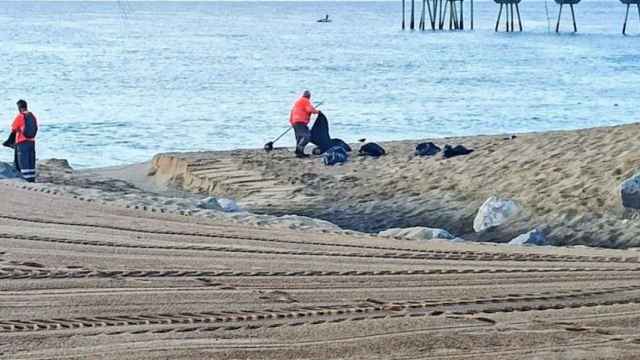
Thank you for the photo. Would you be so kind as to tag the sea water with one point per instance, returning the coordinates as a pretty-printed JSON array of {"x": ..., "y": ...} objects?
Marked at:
[{"x": 116, "y": 82}]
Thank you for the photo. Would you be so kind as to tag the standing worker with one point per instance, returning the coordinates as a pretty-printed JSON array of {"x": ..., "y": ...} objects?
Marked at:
[
  {"x": 299, "y": 120},
  {"x": 25, "y": 126}
]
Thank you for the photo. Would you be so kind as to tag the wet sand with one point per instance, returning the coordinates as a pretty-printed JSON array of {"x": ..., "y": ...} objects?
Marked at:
[{"x": 82, "y": 280}]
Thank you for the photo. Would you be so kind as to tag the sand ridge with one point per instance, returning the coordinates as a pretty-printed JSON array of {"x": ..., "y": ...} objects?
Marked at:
[
  {"x": 86, "y": 280},
  {"x": 567, "y": 181}
]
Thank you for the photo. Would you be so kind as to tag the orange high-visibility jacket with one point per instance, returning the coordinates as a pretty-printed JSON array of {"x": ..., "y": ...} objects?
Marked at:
[
  {"x": 301, "y": 111},
  {"x": 18, "y": 128}
]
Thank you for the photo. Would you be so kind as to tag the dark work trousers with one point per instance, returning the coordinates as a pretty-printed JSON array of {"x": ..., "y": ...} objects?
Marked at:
[
  {"x": 26, "y": 154},
  {"x": 303, "y": 136},
  {"x": 15, "y": 158}
]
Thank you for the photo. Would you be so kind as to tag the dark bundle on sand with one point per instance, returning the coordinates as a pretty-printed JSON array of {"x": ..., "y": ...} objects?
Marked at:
[
  {"x": 321, "y": 138},
  {"x": 427, "y": 149},
  {"x": 371, "y": 149},
  {"x": 457, "y": 150},
  {"x": 335, "y": 155}
]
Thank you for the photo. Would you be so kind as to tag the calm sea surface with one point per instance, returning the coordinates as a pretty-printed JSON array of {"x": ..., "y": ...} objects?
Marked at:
[{"x": 116, "y": 82}]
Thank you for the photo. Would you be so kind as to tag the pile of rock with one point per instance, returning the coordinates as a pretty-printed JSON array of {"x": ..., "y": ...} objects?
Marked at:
[
  {"x": 417, "y": 233},
  {"x": 222, "y": 209},
  {"x": 8, "y": 171}
]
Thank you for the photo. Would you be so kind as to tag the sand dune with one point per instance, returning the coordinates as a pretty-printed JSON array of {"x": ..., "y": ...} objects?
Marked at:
[
  {"x": 82, "y": 280},
  {"x": 567, "y": 181}
]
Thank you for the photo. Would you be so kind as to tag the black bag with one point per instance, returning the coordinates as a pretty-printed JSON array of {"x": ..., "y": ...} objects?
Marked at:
[
  {"x": 11, "y": 141},
  {"x": 340, "y": 143},
  {"x": 334, "y": 143},
  {"x": 335, "y": 155},
  {"x": 427, "y": 149},
  {"x": 320, "y": 133},
  {"x": 457, "y": 150},
  {"x": 321, "y": 138},
  {"x": 371, "y": 149},
  {"x": 30, "y": 126}
]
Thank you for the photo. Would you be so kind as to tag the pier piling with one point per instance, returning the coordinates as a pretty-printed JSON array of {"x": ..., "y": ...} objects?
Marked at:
[
  {"x": 441, "y": 9},
  {"x": 403, "y": 14},
  {"x": 471, "y": 14},
  {"x": 626, "y": 16},
  {"x": 413, "y": 12},
  {"x": 432, "y": 20},
  {"x": 573, "y": 14},
  {"x": 510, "y": 9},
  {"x": 449, "y": 8},
  {"x": 440, "y": 12}
]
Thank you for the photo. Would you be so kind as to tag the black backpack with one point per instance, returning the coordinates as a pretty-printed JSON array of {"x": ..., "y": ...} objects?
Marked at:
[{"x": 30, "y": 126}]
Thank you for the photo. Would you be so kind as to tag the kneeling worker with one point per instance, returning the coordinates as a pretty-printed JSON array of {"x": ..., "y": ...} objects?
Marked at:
[
  {"x": 299, "y": 120},
  {"x": 25, "y": 126}
]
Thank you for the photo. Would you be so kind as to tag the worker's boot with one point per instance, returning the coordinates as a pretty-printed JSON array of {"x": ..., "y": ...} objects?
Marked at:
[{"x": 300, "y": 154}]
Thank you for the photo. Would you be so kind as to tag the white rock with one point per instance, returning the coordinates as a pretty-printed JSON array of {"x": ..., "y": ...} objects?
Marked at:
[
  {"x": 533, "y": 237},
  {"x": 417, "y": 233},
  {"x": 630, "y": 192},
  {"x": 229, "y": 205},
  {"x": 493, "y": 212},
  {"x": 209, "y": 203}
]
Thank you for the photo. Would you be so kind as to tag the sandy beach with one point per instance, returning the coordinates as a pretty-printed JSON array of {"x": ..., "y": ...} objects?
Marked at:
[
  {"x": 122, "y": 263},
  {"x": 83, "y": 280},
  {"x": 157, "y": 201},
  {"x": 567, "y": 182}
]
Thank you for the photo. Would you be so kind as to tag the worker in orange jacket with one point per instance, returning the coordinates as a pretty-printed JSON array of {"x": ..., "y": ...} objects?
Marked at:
[
  {"x": 25, "y": 127},
  {"x": 299, "y": 120}
]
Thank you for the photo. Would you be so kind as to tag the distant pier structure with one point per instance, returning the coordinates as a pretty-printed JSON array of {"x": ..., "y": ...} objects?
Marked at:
[
  {"x": 440, "y": 13},
  {"x": 626, "y": 17},
  {"x": 562, "y": 3},
  {"x": 509, "y": 6}
]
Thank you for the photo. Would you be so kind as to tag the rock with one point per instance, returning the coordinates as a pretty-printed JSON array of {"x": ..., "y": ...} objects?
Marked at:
[
  {"x": 630, "y": 192},
  {"x": 209, "y": 203},
  {"x": 55, "y": 165},
  {"x": 8, "y": 171},
  {"x": 229, "y": 205},
  {"x": 297, "y": 222},
  {"x": 417, "y": 233},
  {"x": 493, "y": 212},
  {"x": 533, "y": 237}
]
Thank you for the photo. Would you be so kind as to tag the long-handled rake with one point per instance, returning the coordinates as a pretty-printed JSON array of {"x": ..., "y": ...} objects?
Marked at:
[{"x": 269, "y": 146}]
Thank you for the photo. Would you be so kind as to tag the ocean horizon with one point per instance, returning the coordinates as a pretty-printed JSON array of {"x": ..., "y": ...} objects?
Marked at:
[{"x": 117, "y": 82}]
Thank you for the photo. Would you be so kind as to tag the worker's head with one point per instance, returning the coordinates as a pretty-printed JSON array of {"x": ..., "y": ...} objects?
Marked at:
[
  {"x": 306, "y": 94},
  {"x": 22, "y": 105}
]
